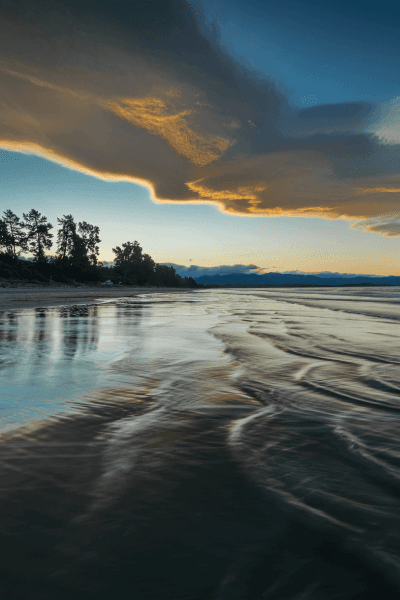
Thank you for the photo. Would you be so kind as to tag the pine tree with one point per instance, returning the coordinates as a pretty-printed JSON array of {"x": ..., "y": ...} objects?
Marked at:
[
  {"x": 65, "y": 238},
  {"x": 39, "y": 237},
  {"x": 5, "y": 238},
  {"x": 90, "y": 236},
  {"x": 17, "y": 240},
  {"x": 75, "y": 250}
]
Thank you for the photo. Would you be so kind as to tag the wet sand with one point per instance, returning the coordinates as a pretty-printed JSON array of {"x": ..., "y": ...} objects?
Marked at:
[
  {"x": 239, "y": 445},
  {"x": 34, "y": 297}
]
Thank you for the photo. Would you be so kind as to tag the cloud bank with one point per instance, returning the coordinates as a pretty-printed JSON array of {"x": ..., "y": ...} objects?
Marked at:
[
  {"x": 198, "y": 271},
  {"x": 143, "y": 92}
]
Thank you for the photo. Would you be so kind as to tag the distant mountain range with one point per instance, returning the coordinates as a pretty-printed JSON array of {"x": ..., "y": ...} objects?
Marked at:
[
  {"x": 293, "y": 279},
  {"x": 197, "y": 272}
]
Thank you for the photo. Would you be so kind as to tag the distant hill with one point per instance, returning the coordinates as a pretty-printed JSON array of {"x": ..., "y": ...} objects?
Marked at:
[{"x": 288, "y": 279}]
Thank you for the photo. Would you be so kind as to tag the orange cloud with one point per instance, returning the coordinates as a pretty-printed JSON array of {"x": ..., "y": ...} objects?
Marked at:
[
  {"x": 202, "y": 131},
  {"x": 239, "y": 193},
  {"x": 378, "y": 190},
  {"x": 155, "y": 116}
]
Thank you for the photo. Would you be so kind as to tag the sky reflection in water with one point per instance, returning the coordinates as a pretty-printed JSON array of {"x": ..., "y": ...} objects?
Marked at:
[
  {"x": 232, "y": 443},
  {"x": 49, "y": 357}
]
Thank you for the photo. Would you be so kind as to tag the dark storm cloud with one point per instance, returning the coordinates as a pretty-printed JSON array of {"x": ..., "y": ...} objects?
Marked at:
[{"x": 142, "y": 91}]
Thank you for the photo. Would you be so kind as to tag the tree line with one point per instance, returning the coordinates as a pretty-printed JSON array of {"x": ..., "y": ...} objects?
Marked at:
[{"x": 76, "y": 254}]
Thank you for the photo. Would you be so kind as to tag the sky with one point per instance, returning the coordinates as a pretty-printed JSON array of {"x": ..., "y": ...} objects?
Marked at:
[{"x": 214, "y": 133}]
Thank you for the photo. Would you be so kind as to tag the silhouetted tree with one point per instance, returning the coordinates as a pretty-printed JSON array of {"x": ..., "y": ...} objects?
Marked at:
[
  {"x": 189, "y": 282},
  {"x": 90, "y": 236},
  {"x": 166, "y": 276},
  {"x": 146, "y": 270},
  {"x": 17, "y": 240},
  {"x": 77, "y": 250},
  {"x": 65, "y": 238},
  {"x": 5, "y": 238},
  {"x": 38, "y": 236},
  {"x": 128, "y": 261},
  {"x": 130, "y": 252},
  {"x": 78, "y": 259},
  {"x": 76, "y": 256}
]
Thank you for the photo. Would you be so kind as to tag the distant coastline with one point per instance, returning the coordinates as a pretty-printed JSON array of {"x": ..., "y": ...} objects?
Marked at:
[
  {"x": 286, "y": 279},
  {"x": 296, "y": 285}
]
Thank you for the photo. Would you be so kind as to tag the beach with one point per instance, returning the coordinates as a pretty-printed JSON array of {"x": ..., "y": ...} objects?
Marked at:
[
  {"x": 12, "y": 298},
  {"x": 218, "y": 445}
]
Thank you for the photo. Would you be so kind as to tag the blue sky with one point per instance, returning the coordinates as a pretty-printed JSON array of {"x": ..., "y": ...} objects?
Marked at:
[
  {"x": 326, "y": 52},
  {"x": 261, "y": 133}
]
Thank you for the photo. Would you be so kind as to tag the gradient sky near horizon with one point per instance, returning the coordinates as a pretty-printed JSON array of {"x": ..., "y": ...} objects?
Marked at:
[{"x": 264, "y": 133}]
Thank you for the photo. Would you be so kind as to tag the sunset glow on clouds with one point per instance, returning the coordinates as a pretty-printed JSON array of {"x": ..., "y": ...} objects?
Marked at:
[{"x": 146, "y": 93}]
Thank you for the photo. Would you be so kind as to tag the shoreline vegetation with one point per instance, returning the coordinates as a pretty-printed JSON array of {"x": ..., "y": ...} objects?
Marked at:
[
  {"x": 75, "y": 262},
  {"x": 76, "y": 256}
]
